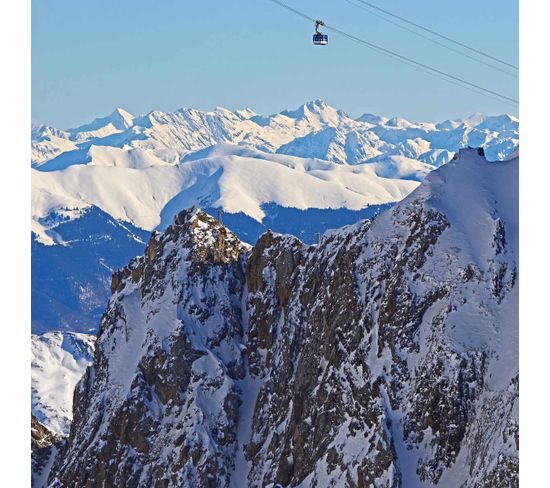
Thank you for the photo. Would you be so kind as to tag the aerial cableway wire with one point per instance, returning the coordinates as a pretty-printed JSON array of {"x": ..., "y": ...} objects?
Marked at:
[
  {"x": 422, "y": 65},
  {"x": 430, "y": 39},
  {"x": 442, "y": 36},
  {"x": 411, "y": 62}
]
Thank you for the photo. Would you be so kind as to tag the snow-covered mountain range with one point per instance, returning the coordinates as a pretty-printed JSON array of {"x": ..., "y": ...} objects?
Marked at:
[
  {"x": 132, "y": 168},
  {"x": 385, "y": 355},
  {"x": 99, "y": 189}
]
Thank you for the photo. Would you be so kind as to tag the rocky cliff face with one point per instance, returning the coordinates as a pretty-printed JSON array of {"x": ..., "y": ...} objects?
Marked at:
[
  {"x": 44, "y": 445},
  {"x": 384, "y": 356}
]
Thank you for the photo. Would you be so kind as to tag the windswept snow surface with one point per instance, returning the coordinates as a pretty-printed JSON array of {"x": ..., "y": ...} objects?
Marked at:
[{"x": 58, "y": 361}]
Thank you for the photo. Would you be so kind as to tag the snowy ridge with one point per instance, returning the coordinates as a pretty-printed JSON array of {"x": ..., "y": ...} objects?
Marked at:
[
  {"x": 148, "y": 192},
  {"x": 384, "y": 356}
]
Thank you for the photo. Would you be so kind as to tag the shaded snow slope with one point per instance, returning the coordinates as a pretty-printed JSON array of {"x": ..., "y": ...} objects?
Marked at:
[
  {"x": 70, "y": 281},
  {"x": 58, "y": 361}
]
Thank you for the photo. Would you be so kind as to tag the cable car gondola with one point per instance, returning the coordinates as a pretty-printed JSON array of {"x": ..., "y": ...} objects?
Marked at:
[{"x": 319, "y": 39}]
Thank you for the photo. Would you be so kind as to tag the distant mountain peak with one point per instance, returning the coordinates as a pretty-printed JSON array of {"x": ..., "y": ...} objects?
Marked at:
[
  {"x": 316, "y": 111},
  {"x": 317, "y": 103},
  {"x": 475, "y": 119},
  {"x": 372, "y": 119},
  {"x": 398, "y": 122},
  {"x": 118, "y": 120},
  {"x": 119, "y": 114},
  {"x": 245, "y": 113},
  {"x": 223, "y": 110}
]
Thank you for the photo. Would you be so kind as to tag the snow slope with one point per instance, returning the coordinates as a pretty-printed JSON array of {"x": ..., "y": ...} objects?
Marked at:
[
  {"x": 146, "y": 191},
  {"x": 58, "y": 361}
]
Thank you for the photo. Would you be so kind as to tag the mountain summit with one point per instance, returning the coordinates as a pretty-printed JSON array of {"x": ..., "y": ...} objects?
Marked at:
[
  {"x": 119, "y": 120},
  {"x": 317, "y": 111}
]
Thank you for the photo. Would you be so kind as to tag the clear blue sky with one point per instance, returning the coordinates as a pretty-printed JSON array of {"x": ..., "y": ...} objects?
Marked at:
[{"x": 89, "y": 57}]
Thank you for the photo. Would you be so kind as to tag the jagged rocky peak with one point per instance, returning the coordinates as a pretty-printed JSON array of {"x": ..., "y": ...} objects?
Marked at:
[
  {"x": 118, "y": 120},
  {"x": 168, "y": 359},
  {"x": 202, "y": 237},
  {"x": 212, "y": 241},
  {"x": 385, "y": 355}
]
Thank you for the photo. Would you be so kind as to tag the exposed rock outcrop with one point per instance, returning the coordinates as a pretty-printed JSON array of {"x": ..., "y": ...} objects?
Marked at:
[{"x": 44, "y": 445}]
